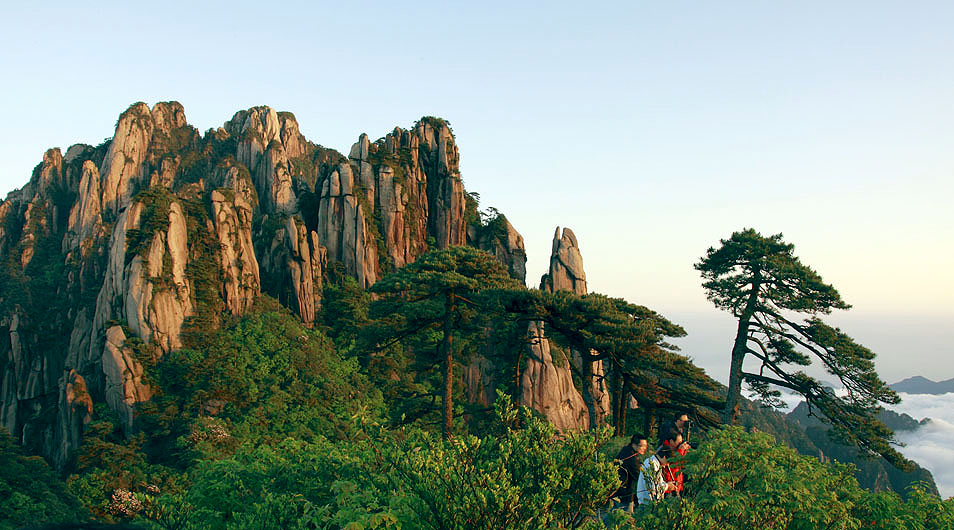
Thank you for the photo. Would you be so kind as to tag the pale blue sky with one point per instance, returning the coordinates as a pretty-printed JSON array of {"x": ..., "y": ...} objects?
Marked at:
[{"x": 651, "y": 129}]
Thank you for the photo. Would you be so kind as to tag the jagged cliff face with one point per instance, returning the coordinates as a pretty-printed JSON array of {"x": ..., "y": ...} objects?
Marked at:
[
  {"x": 547, "y": 381},
  {"x": 112, "y": 254}
]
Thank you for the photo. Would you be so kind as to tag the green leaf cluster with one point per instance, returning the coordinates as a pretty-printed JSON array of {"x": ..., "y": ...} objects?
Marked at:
[
  {"x": 30, "y": 493},
  {"x": 524, "y": 476}
]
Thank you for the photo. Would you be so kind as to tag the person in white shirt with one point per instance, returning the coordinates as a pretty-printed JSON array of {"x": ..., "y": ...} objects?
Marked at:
[{"x": 651, "y": 485}]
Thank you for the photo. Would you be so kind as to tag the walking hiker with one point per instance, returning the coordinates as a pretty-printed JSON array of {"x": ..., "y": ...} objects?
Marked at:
[
  {"x": 629, "y": 458},
  {"x": 673, "y": 473},
  {"x": 652, "y": 484}
]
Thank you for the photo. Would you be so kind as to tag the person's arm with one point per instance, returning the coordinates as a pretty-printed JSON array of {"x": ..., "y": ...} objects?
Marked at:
[{"x": 631, "y": 465}]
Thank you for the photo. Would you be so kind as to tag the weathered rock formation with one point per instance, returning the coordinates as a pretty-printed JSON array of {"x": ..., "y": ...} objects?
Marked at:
[
  {"x": 547, "y": 381},
  {"x": 232, "y": 218},
  {"x": 115, "y": 252},
  {"x": 566, "y": 265}
]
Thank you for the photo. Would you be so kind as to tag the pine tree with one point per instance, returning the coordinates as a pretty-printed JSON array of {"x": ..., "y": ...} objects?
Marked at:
[
  {"x": 764, "y": 285},
  {"x": 444, "y": 291},
  {"x": 631, "y": 341}
]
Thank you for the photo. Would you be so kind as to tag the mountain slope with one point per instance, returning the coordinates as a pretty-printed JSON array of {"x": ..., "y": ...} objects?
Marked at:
[{"x": 116, "y": 255}]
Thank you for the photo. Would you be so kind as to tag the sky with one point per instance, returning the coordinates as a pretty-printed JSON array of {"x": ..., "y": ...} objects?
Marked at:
[{"x": 651, "y": 129}]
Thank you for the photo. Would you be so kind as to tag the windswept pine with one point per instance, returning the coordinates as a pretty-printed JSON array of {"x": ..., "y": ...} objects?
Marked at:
[{"x": 764, "y": 285}]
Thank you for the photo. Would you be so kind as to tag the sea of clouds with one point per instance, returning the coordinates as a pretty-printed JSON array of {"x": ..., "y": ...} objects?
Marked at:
[{"x": 931, "y": 445}]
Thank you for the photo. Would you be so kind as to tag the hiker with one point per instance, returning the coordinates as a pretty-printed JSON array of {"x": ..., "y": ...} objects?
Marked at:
[
  {"x": 629, "y": 458},
  {"x": 652, "y": 485},
  {"x": 680, "y": 424},
  {"x": 673, "y": 473}
]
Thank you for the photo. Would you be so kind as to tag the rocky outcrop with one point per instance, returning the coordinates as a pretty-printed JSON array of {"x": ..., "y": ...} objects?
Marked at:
[
  {"x": 124, "y": 377},
  {"x": 123, "y": 166},
  {"x": 233, "y": 229},
  {"x": 113, "y": 248},
  {"x": 392, "y": 200},
  {"x": 86, "y": 213},
  {"x": 501, "y": 239},
  {"x": 566, "y": 265},
  {"x": 344, "y": 228},
  {"x": 300, "y": 261},
  {"x": 265, "y": 143},
  {"x": 76, "y": 410},
  {"x": 547, "y": 385},
  {"x": 149, "y": 290},
  {"x": 29, "y": 373},
  {"x": 547, "y": 381}
]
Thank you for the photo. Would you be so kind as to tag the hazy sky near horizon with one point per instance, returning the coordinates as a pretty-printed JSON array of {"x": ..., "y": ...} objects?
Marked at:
[{"x": 650, "y": 129}]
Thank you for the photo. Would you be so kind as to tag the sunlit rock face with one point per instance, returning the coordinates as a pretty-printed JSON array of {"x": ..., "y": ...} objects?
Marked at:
[
  {"x": 547, "y": 382},
  {"x": 116, "y": 251}
]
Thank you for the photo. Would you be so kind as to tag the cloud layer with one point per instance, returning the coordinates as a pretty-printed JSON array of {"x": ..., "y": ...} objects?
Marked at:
[{"x": 931, "y": 446}]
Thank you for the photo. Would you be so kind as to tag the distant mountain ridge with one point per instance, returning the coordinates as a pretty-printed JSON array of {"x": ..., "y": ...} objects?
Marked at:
[
  {"x": 923, "y": 385},
  {"x": 809, "y": 436}
]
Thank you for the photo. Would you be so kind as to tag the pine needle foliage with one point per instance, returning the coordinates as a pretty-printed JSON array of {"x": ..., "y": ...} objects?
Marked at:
[{"x": 761, "y": 282}]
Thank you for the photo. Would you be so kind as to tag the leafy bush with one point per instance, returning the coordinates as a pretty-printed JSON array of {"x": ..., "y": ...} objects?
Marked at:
[
  {"x": 29, "y": 491},
  {"x": 745, "y": 480},
  {"x": 524, "y": 476},
  {"x": 111, "y": 470},
  {"x": 264, "y": 377}
]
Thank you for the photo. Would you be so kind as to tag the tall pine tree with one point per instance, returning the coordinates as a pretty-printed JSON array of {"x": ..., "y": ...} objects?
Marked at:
[
  {"x": 444, "y": 295},
  {"x": 764, "y": 285}
]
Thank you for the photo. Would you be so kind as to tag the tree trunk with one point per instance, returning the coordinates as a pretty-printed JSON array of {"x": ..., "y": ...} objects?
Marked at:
[
  {"x": 649, "y": 422},
  {"x": 739, "y": 349},
  {"x": 447, "y": 352},
  {"x": 616, "y": 402},
  {"x": 731, "y": 412},
  {"x": 623, "y": 410},
  {"x": 587, "y": 371}
]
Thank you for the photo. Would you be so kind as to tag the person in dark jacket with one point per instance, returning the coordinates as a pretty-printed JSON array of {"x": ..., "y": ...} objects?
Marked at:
[
  {"x": 679, "y": 424},
  {"x": 629, "y": 458}
]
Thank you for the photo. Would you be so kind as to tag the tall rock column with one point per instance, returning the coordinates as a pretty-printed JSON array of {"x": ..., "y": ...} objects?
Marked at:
[
  {"x": 233, "y": 229},
  {"x": 445, "y": 189},
  {"x": 122, "y": 167},
  {"x": 547, "y": 381},
  {"x": 343, "y": 226}
]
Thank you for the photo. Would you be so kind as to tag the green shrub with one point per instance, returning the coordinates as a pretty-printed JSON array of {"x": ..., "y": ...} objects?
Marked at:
[
  {"x": 745, "y": 480},
  {"x": 29, "y": 491}
]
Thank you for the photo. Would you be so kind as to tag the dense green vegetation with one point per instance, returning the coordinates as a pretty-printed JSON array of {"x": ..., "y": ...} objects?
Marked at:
[
  {"x": 519, "y": 474},
  {"x": 745, "y": 480},
  {"x": 362, "y": 422},
  {"x": 258, "y": 381},
  {"x": 264, "y": 423},
  {"x": 30, "y": 491}
]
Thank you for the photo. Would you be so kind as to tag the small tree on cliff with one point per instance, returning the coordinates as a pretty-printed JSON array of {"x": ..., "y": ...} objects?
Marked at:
[
  {"x": 442, "y": 293},
  {"x": 760, "y": 281}
]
